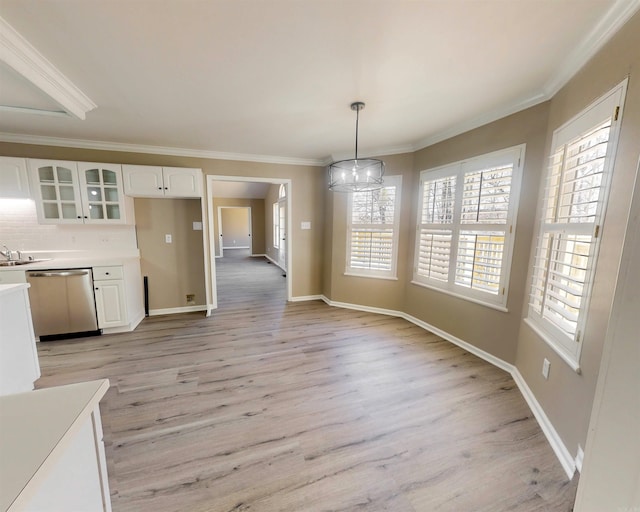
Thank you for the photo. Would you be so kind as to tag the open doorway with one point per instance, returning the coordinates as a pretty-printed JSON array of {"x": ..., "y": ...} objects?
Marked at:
[
  {"x": 268, "y": 242},
  {"x": 235, "y": 229}
]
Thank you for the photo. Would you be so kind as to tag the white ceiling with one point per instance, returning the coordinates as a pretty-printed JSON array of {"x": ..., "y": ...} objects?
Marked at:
[{"x": 273, "y": 80}]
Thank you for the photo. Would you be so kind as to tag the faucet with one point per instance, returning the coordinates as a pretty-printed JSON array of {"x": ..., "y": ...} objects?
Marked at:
[{"x": 6, "y": 253}]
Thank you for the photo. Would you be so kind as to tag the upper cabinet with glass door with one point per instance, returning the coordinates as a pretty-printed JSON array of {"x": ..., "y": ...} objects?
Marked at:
[{"x": 77, "y": 192}]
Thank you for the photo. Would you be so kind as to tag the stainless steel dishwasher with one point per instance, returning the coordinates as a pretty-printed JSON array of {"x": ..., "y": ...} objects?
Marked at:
[{"x": 62, "y": 303}]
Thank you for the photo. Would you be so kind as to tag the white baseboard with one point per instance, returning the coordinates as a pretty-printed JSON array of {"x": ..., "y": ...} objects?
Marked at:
[
  {"x": 303, "y": 298},
  {"x": 559, "y": 448},
  {"x": 172, "y": 311},
  {"x": 258, "y": 255},
  {"x": 545, "y": 424},
  {"x": 275, "y": 262},
  {"x": 125, "y": 328}
]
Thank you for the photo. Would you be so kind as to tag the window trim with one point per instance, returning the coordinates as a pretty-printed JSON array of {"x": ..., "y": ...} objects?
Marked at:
[
  {"x": 275, "y": 224},
  {"x": 392, "y": 273},
  {"x": 570, "y": 130},
  {"x": 515, "y": 154}
]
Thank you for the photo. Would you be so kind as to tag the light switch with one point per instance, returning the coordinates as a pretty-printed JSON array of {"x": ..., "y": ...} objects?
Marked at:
[
  {"x": 197, "y": 226},
  {"x": 305, "y": 225},
  {"x": 168, "y": 239},
  {"x": 546, "y": 365}
]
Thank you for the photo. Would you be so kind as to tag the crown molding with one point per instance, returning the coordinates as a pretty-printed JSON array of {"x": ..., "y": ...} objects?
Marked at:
[
  {"x": 609, "y": 24},
  {"x": 481, "y": 120},
  {"x": 24, "y": 59},
  {"x": 619, "y": 13},
  {"x": 154, "y": 150}
]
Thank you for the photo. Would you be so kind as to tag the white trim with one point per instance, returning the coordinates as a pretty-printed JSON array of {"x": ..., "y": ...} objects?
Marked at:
[
  {"x": 559, "y": 448},
  {"x": 619, "y": 13},
  {"x": 258, "y": 255},
  {"x": 154, "y": 150},
  {"x": 274, "y": 262},
  {"x": 210, "y": 180},
  {"x": 550, "y": 432},
  {"x": 481, "y": 120},
  {"x": 131, "y": 326},
  {"x": 30, "y": 64},
  {"x": 304, "y": 298},
  {"x": 172, "y": 311},
  {"x": 370, "y": 276},
  {"x": 462, "y": 297},
  {"x": 573, "y": 364}
]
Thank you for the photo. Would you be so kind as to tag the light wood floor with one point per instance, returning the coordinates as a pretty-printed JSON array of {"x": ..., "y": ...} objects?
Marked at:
[{"x": 268, "y": 406}]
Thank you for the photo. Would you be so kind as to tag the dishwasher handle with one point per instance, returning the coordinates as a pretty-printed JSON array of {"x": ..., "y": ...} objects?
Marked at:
[{"x": 64, "y": 273}]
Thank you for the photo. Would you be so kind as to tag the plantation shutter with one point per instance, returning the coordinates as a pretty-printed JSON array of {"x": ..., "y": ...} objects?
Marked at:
[
  {"x": 434, "y": 251},
  {"x": 573, "y": 201},
  {"x": 373, "y": 226}
]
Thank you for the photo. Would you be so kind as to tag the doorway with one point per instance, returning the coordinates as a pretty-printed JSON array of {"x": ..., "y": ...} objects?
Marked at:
[
  {"x": 229, "y": 189},
  {"x": 234, "y": 226}
]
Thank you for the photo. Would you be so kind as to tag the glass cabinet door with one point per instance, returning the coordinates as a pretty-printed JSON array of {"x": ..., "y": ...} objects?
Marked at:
[
  {"x": 102, "y": 192},
  {"x": 103, "y": 197},
  {"x": 58, "y": 190}
]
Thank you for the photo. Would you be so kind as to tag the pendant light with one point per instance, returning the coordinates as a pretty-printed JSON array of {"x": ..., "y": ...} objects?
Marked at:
[{"x": 356, "y": 175}]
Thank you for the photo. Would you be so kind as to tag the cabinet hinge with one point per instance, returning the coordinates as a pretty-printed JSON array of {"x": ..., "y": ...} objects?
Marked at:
[
  {"x": 616, "y": 114},
  {"x": 596, "y": 231},
  {"x": 519, "y": 160},
  {"x": 503, "y": 290},
  {"x": 511, "y": 229},
  {"x": 578, "y": 336}
]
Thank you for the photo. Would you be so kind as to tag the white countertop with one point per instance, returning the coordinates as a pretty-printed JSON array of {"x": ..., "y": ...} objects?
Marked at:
[
  {"x": 76, "y": 262},
  {"x": 35, "y": 427}
]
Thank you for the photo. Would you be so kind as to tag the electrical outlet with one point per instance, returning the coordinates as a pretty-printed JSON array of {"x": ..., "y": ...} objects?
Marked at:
[
  {"x": 546, "y": 365},
  {"x": 168, "y": 239},
  {"x": 191, "y": 298}
]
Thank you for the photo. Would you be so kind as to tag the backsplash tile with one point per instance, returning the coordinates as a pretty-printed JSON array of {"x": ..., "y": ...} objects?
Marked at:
[{"x": 19, "y": 230}]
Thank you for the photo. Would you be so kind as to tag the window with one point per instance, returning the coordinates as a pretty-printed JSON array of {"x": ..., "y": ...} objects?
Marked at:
[
  {"x": 372, "y": 232},
  {"x": 574, "y": 203},
  {"x": 466, "y": 220},
  {"x": 276, "y": 226}
]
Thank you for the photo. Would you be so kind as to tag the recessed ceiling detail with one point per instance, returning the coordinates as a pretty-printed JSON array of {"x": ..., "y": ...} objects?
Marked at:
[{"x": 30, "y": 84}]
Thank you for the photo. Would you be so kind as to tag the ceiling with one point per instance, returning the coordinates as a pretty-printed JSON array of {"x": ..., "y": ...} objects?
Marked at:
[{"x": 272, "y": 81}]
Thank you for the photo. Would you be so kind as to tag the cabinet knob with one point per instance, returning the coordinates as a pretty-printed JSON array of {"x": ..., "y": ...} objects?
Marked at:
[
  {"x": 166, "y": 188},
  {"x": 79, "y": 217},
  {"x": 97, "y": 289},
  {"x": 106, "y": 273},
  {"x": 159, "y": 188}
]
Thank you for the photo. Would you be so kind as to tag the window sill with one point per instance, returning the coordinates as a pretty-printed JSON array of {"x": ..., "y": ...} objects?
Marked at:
[
  {"x": 573, "y": 364},
  {"x": 481, "y": 302},
  {"x": 372, "y": 276}
]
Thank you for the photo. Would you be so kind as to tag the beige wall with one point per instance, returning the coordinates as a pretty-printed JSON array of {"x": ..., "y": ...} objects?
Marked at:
[
  {"x": 491, "y": 330},
  {"x": 235, "y": 227},
  {"x": 567, "y": 396},
  {"x": 380, "y": 293},
  {"x": 176, "y": 269},
  {"x": 257, "y": 221},
  {"x": 307, "y": 193}
]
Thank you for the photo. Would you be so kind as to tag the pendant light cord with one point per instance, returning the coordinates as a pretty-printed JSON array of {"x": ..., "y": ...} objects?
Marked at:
[{"x": 357, "y": 119}]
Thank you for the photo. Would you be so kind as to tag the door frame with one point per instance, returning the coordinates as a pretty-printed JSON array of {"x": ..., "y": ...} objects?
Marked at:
[
  {"x": 220, "y": 246},
  {"x": 210, "y": 189}
]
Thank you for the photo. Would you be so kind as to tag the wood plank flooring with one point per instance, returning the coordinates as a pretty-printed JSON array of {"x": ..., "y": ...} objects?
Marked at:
[{"x": 268, "y": 406}]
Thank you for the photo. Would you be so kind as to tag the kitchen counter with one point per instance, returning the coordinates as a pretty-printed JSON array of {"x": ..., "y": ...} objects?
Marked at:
[
  {"x": 39, "y": 431},
  {"x": 75, "y": 262}
]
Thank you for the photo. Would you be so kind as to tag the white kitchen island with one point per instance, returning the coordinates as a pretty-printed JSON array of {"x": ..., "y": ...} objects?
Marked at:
[
  {"x": 51, "y": 450},
  {"x": 19, "y": 367}
]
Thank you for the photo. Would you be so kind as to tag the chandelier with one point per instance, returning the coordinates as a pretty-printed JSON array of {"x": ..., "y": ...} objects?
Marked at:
[{"x": 356, "y": 175}]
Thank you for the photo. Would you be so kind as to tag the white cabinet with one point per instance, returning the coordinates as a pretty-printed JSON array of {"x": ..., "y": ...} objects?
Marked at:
[
  {"x": 52, "y": 455},
  {"x": 78, "y": 192},
  {"x": 111, "y": 306},
  {"x": 19, "y": 367},
  {"x": 152, "y": 181},
  {"x": 14, "y": 182}
]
